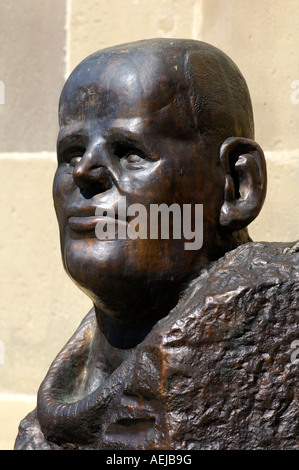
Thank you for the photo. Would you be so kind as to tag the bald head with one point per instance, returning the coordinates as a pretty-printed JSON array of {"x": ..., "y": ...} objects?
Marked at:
[{"x": 207, "y": 89}]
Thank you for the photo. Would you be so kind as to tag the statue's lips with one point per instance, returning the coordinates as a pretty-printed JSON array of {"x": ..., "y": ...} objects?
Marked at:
[
  {"x": 85, "y": 218},
  {"x": 84, "y": 224}
]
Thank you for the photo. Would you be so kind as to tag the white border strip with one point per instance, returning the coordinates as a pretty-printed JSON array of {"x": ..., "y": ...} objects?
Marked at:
[
  {"x": 282, "y": 157},
  {"x": 12, "y": 397},
  {"x": 67, "y": 59},
  {"x": 197, "y": 20},
  {"x": 28, "y": 155}
]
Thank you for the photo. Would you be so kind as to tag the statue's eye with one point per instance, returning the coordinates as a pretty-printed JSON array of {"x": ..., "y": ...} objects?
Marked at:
[
  {"x": 133, "y": 158},
  {"x": 75, "y": 155},
  {"x": 133, "y": 161},
  {"x": 130, "y": 158}
]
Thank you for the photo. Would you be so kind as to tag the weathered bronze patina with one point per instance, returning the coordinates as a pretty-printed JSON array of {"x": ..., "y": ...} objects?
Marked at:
[{"x": 184, "y": 349}]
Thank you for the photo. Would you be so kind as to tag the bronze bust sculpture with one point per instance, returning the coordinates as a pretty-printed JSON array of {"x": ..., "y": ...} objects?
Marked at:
[{"x": 184, "y": 348}]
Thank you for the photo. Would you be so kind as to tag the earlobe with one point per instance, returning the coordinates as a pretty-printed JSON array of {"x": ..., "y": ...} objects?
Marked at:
[{"x": 245, "y": 184}]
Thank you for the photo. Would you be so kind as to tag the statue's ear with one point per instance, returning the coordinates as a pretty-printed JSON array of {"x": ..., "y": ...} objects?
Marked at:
[{"x": 245, "y": 182}]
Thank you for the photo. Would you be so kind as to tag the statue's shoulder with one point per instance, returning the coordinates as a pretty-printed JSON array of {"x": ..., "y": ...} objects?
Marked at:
[
  {"x": 228, "y": 351},
  {"x": 250, "y": 266}
]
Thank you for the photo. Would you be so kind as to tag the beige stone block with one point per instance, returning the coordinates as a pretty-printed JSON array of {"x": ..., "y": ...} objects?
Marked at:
[
  {"x": 95, "y": 24},
  {"x": 279, "y": 219},
  {"x": 262, "y": 38},
  {"x": 13, "y": 408},
  {"x": 40, "y": 306},
  {"x": 32, "y": 65}
]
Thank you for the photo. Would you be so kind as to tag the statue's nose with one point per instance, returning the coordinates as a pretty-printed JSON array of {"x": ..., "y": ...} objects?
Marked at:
[{"x": 91, "y": 175}]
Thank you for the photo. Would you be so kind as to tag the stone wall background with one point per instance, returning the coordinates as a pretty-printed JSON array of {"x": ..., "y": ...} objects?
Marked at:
[{"x": 40, "y": 43}]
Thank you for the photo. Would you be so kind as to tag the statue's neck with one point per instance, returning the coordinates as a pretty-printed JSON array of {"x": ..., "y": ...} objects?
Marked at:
[
  {"x": 123, "y": 334},
  {"x": 126, "y": 314},
  {"x": 113, "y": 356}
]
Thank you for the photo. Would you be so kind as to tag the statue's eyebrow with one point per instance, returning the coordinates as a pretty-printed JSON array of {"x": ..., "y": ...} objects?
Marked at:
[
  {"x": 123, "y": 134},
  {"x": 126, "y": 137},
  {"x": 67, "y": 137}
]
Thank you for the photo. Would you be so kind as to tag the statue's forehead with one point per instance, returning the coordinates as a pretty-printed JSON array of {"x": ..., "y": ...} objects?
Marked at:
[{"x": 122, "y": 86}]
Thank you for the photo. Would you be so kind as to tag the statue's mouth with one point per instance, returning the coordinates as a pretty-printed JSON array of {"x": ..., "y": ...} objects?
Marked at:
[
  {"x": 104, "y": 221},
  {"x": 85, "y": 224}
]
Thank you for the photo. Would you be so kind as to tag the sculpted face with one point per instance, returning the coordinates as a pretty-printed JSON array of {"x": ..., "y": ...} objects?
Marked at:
[{"x": 127, "y": 130}]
